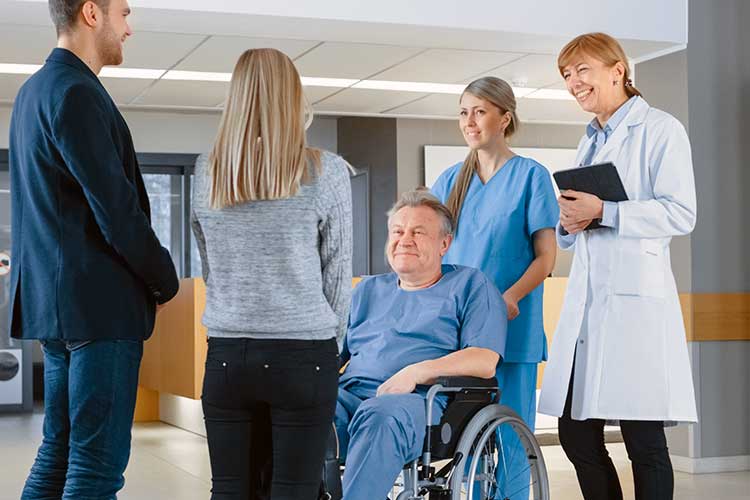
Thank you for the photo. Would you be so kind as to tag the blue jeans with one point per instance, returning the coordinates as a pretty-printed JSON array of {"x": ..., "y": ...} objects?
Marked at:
[{"x": 89, "y": 399}]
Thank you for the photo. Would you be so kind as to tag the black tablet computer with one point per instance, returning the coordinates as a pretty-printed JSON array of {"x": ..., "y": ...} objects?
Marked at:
[{"x": 601, "y": 180}]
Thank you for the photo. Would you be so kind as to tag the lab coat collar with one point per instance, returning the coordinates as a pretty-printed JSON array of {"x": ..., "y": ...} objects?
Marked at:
[{"x": 635, "y": 117}]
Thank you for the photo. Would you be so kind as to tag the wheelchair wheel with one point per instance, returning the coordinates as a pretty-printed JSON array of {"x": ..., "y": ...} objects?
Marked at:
[{"x": 485, "y": 471}]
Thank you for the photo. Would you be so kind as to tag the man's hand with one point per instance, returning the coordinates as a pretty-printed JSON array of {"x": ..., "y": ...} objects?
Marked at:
[
  {"x": 578, "y": 210},
  {"x": 403, "y": 382}
]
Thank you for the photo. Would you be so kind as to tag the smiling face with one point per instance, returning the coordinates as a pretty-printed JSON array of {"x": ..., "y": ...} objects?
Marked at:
[
  {"x": 597, "y": 88},
  {"x": 416, "y": 242},
  {"x": 482, "y": 123},
  {"x": 112, "y": 32}
]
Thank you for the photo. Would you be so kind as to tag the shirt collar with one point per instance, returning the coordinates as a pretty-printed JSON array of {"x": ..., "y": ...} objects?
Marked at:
[{"x": 593, "y": 127}]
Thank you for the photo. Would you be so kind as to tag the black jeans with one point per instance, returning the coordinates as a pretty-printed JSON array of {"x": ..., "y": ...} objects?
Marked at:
[
  {"x": 646, "y": 444},
  {"x": 268, "y": 406}
]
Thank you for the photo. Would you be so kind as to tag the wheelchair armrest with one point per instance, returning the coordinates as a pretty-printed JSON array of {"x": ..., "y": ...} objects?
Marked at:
[{"x": 467, "y": 382}]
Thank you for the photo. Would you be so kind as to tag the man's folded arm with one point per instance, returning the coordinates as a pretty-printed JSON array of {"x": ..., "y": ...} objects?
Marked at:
[
  {"x": 85, "y": 142},
  {"x": 468, "y": 362}
]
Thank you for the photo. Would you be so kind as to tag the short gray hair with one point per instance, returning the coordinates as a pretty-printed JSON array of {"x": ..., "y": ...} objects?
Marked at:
[{"x": 421, "y": 197}]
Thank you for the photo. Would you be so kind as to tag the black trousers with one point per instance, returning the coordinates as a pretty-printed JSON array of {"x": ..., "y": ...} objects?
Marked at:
[
  {"x": 268, "y": 406},
  {"x": 645, "y": 442}
]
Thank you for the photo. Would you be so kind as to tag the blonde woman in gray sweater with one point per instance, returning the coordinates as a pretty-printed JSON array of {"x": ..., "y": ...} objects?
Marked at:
[{"x": 272, "y": 218}]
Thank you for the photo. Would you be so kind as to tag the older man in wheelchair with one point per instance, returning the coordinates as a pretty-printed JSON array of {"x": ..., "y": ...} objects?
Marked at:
[{"x": 422, "y": 348}]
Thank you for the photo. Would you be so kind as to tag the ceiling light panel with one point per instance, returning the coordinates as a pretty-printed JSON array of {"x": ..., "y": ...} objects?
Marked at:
[
  {"x": 550, "y": 93},
  {"x": 19, "y": 69},
  {"x": 220, "y": 53},
  {"x": 421, "y": 87},
  {"x": 351, "y": 60},
  {"x": 136, "y": 73},
  {"x": 446, "y": 66}
]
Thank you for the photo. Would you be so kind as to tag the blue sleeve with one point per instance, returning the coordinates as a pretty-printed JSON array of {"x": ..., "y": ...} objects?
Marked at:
[
  {"x": 484, "y": 322},
  {"x": 609, "y": 214},
  {"x": 542, "y": 211},
  {"x": 86, "y": 144}
]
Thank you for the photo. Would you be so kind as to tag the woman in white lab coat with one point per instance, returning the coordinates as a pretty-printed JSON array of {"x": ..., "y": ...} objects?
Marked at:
[{"x": 619, "y": 351}]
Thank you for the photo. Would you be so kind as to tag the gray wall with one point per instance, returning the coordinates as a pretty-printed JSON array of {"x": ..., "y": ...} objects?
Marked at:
[
  {"x": 718, "y": 63},
  {"x": 664, "y": 84},
  {"x": 370, "y": 144},
  {"x": 708, "y": 85}
]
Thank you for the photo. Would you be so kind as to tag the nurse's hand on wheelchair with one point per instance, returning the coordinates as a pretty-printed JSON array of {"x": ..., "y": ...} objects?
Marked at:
[{"x": 404, "y": 381}]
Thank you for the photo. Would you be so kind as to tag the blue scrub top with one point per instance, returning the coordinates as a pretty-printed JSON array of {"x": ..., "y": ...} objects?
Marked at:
[
  {"x": 391, "y": 328},
  {"x": 495, "y": 231}
]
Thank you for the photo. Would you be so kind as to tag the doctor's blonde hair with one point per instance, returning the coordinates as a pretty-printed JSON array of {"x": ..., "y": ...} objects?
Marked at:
[
  {"x": 498, "y": 93},
  {"x": 601, "y": 47},
  {"x": 260, "y": 152}
]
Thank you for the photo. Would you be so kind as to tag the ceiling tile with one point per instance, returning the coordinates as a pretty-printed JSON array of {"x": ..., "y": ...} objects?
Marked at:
[
  {"x": 365, "y": 101},
  {"x": 124, "y": 90},
  {"x": 185, "y": 93},
  {"x": 26, "y": 44},
  {"x": 220, "y": 53},
  {"x": 147, "y": 49},
  {"x": 315, "y": 94},
  {"x": 351, "y": 60},
  {"x": 432, "y": 105},
  {"x": 533, "y": 70},
  {"x": 446, "y": 66}
]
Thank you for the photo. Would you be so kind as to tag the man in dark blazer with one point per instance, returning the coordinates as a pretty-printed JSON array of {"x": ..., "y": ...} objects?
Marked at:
[{"x": 88, "y": 271}]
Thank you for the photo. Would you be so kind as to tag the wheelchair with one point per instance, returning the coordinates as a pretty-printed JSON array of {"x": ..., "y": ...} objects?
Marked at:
[{"x": 468, "y": 448}]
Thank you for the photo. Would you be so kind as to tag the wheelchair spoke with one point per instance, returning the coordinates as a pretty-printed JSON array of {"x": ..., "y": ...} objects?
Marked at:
[{"x": 520, "y": 490}]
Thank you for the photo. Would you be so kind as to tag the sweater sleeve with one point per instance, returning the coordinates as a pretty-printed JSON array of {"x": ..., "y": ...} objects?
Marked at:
[{"x": 336, "y": 244}]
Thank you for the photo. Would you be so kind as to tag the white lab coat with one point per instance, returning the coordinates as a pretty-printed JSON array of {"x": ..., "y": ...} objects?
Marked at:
[{"x": 621, "y": 316}]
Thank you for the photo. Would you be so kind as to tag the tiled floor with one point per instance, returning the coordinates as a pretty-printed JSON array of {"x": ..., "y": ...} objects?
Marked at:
[{"x": 169, "y": 463}]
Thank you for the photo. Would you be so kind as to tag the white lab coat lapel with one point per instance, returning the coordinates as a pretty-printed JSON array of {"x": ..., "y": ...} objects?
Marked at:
[{"x": 616, "y": 142}]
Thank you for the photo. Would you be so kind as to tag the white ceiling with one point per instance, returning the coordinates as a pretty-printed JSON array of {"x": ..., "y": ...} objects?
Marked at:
[{"x": 524, "y": 63}]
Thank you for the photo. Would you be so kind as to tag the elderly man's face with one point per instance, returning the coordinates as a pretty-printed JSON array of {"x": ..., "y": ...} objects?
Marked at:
[{"x": 416, "y": 243}]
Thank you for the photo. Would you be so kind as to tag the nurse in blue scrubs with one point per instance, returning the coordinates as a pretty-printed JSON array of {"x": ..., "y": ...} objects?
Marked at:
[{"x": 506, "y": 210}]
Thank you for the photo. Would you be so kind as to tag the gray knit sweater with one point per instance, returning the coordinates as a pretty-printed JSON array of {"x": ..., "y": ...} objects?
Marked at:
[{"x": 278, "y": 269}]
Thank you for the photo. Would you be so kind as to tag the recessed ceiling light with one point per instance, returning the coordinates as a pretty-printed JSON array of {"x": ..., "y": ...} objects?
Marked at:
[
  {"x": 309, "y": 81},
  {"x": 558, "y": 94},
  {"x": 19, "y": 69},
  {"x": 142, "y": 74},
  {"x": 198, "y": 76},
  {"x": 424, "y": 87},
  {"x": 205, "y": 76}
]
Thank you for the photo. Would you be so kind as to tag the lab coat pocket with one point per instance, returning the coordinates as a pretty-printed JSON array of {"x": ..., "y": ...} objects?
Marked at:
[{"x": 639, "y": 268}]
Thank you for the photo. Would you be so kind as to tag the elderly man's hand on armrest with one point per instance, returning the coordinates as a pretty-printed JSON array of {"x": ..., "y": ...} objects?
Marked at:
[{"x": 469, "y": 362}]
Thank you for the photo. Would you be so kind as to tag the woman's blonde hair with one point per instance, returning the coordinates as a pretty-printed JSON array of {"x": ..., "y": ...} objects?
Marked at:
[
  {"x": 498, "y": 93},
  {"x": 260, "y": 152},
  {"x": 601, "y": 47}
]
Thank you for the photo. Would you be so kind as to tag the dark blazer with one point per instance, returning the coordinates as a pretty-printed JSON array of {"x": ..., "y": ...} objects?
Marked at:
[{"x": 86, "y": 263}]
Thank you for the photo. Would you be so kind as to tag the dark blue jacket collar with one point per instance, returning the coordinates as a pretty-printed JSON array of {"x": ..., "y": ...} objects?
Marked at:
[{"x": 67, "y": 57}]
